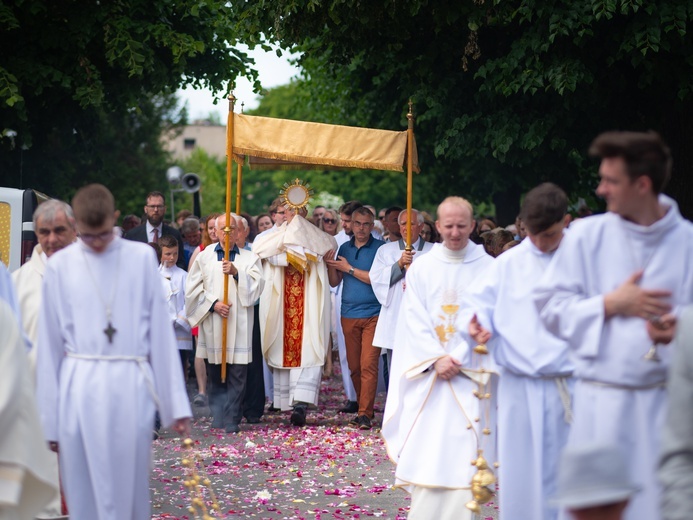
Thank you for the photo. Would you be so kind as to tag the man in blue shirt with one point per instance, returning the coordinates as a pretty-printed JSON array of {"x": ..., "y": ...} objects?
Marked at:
[{"x": 360, "y": 310}]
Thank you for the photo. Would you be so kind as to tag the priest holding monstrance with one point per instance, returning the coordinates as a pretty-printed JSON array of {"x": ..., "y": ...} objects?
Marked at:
[{"x": 295, "y": 305}]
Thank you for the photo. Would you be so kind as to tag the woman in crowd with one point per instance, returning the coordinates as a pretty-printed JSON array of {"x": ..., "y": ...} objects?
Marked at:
[
  {"x": 263, "y": 222},
  {"x": 330, "y": 222}
]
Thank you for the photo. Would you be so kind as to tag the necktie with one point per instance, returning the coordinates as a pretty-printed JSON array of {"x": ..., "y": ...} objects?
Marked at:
[{"x": 156, "y": 235}]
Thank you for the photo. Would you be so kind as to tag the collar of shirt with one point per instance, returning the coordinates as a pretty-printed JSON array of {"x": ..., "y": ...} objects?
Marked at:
[
  {"x": 352, "y": 241},
  {"x": 220, "y": 252}
]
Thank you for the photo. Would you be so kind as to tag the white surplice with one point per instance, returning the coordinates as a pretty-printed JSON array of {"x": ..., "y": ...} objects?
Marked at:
[
  {"x": 534, "y": 385},
  {"x": 205, "y": 285},
  {"x": 307, "y": 245},
  {"x": 430, "y": 426},
  {"x": 175, "y": 297},
  {"x": 28, "y": 281},
  {"x": 97, "y": 398},
  {"x": 390, "y": 294},
  {"x": 619, "y": 396},
  {"x": 27, "y": 480}
]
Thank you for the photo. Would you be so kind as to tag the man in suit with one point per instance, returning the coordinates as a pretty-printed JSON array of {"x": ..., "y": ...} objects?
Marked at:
[{"x": 154, "y": 227}]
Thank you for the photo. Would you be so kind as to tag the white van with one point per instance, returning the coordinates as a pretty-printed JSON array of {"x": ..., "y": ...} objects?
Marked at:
[{"x": 17, "y": 237}]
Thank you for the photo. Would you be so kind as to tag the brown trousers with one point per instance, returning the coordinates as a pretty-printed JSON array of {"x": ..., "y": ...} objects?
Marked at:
[{"x": 363, "y": 359}]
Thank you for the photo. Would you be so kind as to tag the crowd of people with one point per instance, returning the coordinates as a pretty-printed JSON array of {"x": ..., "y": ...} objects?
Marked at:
[{"x": 539, "y": 352}]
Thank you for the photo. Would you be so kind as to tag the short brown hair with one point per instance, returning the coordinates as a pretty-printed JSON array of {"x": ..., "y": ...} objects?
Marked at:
[
  {"x": 364, "y": 212},
  {"x": 93, "y": 204},
  {"x": 168, "y": 241},
  {"x": 275, "y": 204},
  {"x": 543, "y": 207},
  {"x": 348, "y": 207},
  {"x": 645, "y": 153}
]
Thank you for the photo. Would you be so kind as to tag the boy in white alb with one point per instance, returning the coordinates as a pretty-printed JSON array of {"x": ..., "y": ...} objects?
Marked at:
[
  {"x": 106, "y": 362},
  {"x": 613, "y": 274},
  {"x": 175, "y": 278},
  {"x": 535, "y": 372}
]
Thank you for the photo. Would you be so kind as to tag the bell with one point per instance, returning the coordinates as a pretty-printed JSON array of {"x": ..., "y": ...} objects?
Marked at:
[
  {"x": 481, "y": 349},
  {"x": 473, "y": 506}
]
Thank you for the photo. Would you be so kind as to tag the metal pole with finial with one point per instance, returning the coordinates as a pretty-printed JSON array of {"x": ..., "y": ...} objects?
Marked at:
[
  {"x": 227, "y": 229},
  {"x": 410, "y": 167}
]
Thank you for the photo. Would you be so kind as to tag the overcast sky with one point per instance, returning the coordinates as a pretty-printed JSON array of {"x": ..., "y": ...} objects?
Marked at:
[{"x": 273, "y": 71}]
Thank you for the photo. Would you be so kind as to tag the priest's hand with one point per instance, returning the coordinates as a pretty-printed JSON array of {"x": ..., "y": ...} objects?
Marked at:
[
  {"x": 228, "y": 268},
  {"x": 406, "y": 258},
  {"x": 447, "y": 367},
  {"x": 662, "y": 330},
  {"x": 182, "y": 426},
  {"x": 629, "y": 299},
  {"x": 221, "y": 309},
  {"x": 478, "y": 332}
]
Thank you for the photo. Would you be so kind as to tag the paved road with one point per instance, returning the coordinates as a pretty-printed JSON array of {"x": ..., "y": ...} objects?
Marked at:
[{"x": 272, "y": 470}]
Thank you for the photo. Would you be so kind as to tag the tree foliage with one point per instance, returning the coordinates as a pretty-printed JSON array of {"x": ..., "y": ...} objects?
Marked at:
[
  {"x": 508, "y": 94},
  {"x": 86, "y": 88}
]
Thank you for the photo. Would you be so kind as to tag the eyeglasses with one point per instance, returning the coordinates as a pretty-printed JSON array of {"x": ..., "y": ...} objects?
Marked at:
[
  {"x": 329, "y": 220},
  {"x": 87, "y": 237},
  {"x": 156, "y": 207},
  {"x": 356, "y": 223}
]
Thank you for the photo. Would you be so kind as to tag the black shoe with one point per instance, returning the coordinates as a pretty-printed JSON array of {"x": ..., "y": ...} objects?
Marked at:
[
  {"x": 350, "y": 407},
  {"x": 271, "y": 408},
  {"x": 298, "y": 416},
  {"x": 364, "y": 423},
  {"x": 233, "y": 428},
  {"x": 252, "y": 420},
  {"x": 155, "y": 434},
  {"x": 354, "y": 422}
]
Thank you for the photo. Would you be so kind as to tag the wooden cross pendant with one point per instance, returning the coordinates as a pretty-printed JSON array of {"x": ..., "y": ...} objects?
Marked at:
[{"x": 109, "y": 331}]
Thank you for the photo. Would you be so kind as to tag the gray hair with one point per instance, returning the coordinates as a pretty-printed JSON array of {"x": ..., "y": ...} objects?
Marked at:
[
  {"x": 243, "y": 221},
  {"x": 190, "y": 224},
  {"x": 49, "y": 209},
  {"x": 419, "y": 216}
]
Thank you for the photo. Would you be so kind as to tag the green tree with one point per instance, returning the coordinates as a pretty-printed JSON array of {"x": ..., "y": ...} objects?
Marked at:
[
  {"x": 86, "y": 88},
  {"x": 508, "y": 94}
]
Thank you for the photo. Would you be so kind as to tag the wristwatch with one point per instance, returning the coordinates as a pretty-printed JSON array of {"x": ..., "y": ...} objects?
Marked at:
[{"x": 351, "y": 271}]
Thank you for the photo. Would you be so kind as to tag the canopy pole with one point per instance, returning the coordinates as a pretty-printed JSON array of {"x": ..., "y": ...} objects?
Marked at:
[
  {"x": 227, "y": 228},
  {"x": 239, "y": 179},
  {"x": 410, "y": 167},
  {"x": 239, "y": 187}
]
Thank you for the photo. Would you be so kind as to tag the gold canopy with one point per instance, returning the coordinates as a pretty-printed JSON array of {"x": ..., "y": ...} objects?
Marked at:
[{"x": 276, "y": 144}]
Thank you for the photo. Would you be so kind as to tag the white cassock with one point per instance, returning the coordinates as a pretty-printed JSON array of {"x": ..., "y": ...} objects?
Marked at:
[
  {"x": 296, "y": 366},
  {"x": 97, "y": 399},
  {"x": 619, "y": 398},
  {"x": 175, "y": 297},
  {"x": 387, "y": 281},
  {"x": 204, "y": 286},
  {"x": 429, "y": 425},
  {"x": 349, "y": 389},
  {"x": 28, "y": 281},
  {"x": 534, "y": 388}
]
